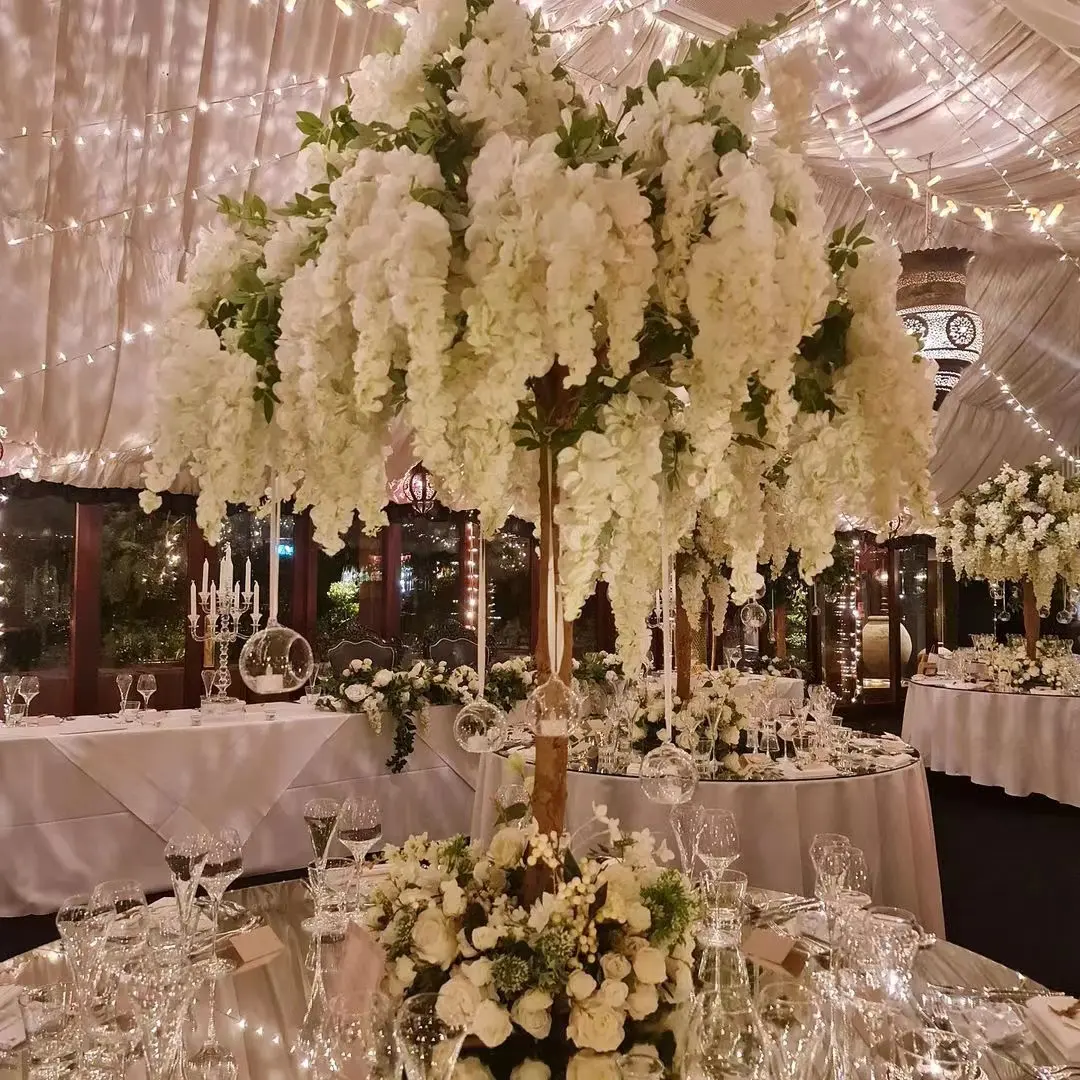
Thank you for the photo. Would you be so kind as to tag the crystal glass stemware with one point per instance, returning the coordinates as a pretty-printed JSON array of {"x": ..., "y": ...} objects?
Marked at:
[
  {"x": 123, "y": 684},
  {"x": 321, "y": 818},
  {"x": 723, "y": 897},
  {"x": 46, "y": 1019},
  {"x": 429, "y": 1046},
  {"x": 11, "y": 690},
  {"x": 718, "y": 840},
  {"x": 794, "y": 1024},
  {"x": 186, "y": 858},
  {"x": 726, "y": 1040},
  {"x": 161, "y": 994},
  {"x": 686, "y": 822},
  {"x": 29, "y": 686},
  {"x": 224, "y": 864},
  {"x": 147, "y": 687},
  {"x": 208, "y": 676},
  {"x": 122, "y": 908},
  {"x": 359, "y": 826}
]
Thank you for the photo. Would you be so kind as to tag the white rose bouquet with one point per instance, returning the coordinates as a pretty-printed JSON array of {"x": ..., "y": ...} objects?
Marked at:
[{"x": 568, "y": 980}]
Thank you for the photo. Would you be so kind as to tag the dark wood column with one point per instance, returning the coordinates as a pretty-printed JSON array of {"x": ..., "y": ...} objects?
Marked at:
[
  {"x": 305, "y": 583},
  {"x": 391, "y": 561},
  {"x": 194, "y": 651},
  {"x": 85, "y": 655},
  {"x": 535, "y": 585}
]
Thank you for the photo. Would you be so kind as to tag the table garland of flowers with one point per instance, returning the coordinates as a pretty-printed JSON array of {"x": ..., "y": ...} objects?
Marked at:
[
  {"x": 1008, "y": 668},
  {"x": 589, "y": 968}
]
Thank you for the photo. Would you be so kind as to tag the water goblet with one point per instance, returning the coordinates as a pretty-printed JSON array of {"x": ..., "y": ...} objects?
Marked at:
[
  {"x": 185, "y": 856},
  {"x": 123, "y": 685},
  {"x": 429, "y": 1046},
  {"x": 16, "y": 715},
  {"x": 686, "y": 822},
  {"x": 29, "y": 686},
  {"x": 46, "y": 1019},
  {"x": 792, "y": 1018},
  {"x": 718, "y": 840},
  {"x": 224, "y": 864},
  {"x": 723, "y": 897},
  {"x": 147, "y": 687}
]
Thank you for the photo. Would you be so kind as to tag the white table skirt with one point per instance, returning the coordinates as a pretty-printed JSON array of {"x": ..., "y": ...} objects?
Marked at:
[
  {"x": 886, "y": 814},
  {"x": 68, "y": 820},
  {"x": 1024, "y": 743}
]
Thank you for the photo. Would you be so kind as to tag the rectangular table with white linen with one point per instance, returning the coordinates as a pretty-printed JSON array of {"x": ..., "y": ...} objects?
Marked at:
[{"x": 88, "y": 800}]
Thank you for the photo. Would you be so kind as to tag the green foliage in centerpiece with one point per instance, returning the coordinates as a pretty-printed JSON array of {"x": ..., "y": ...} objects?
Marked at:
[{"x": 587, "y": 970}]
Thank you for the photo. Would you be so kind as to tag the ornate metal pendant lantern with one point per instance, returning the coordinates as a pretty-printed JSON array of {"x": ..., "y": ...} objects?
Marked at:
[
  {"x": 419, "y": 488},
  {"x": 931, "y": 297}
]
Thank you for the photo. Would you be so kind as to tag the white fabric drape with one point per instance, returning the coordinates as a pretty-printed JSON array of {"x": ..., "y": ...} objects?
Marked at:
[{"x": 1056, "y": 20}]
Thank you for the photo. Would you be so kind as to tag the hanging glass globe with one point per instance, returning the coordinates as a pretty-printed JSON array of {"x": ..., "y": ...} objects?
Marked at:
[
  {"x": 753, "y": 615},
  {"x": 1044, "y": 611},
  {"x": 276, "y": 660},
  {"x": 1002, "y": 615},
  {"x": 552, "y": 709},
  {"x": 481, "y": 727},
  {"x": 1065, "y": 616},
  {"x": 668, "y": 775}
]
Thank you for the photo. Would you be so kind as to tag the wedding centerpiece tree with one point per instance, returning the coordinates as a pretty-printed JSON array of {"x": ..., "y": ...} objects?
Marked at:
[
  {"x": 602, "y": 322},
  {"x": 1023, "y": 525}
]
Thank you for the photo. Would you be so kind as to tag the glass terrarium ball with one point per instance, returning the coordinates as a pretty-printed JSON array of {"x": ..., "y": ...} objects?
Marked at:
[
  {"x": 1002, "y": 615},
  {"x": 276, "y": 660},
  {"x": 480, "y": 727},
  {"x": 668, "y": 775},
  {"x": 1065, "y": 616},
  {"x": 753, "y": 615},
  {"x": 1044, "y": 612},
  {"x": 552, "y": 709}
]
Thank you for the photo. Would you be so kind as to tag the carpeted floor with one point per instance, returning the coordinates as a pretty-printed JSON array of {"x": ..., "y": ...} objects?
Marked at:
[{"x": 1010, "y": 879}]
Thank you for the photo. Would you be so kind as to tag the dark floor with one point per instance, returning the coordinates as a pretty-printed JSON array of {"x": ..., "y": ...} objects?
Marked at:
[{"x": 1010, "y": 879}]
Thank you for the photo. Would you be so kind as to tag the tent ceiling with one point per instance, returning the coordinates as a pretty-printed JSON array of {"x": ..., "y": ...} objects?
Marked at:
[{"x": 106, "y": 191}]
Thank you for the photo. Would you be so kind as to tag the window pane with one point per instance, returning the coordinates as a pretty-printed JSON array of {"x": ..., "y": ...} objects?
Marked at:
[
  {"x": 143, "y": 586},
  {"x": 430, "y": 577},
  {"x": 509, "y": 588},
  {"x": 37, "y": 561},
  {"x": 249, "y": 535},
  {"x": 350, "y": 596}
]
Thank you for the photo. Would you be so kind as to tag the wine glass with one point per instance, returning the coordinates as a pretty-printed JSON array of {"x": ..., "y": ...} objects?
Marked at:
[
  {"x": 726, "y": 1039},
  {"x": 359, "y": 825},
  {"x": 821, "y": 841},
  {"x": 686, "y": 822},
  {"x": 123, "y": 684},
  {"x": 794, "y": 1025},
  {"x": 11, "y": 690},
  {"x": 82, "y": 934},
  {"x": 121, "y": 906},
  {"x": 855, "y": 888},
  {"x": 208, "y": 676},
  {"x": 147, "y": 687},
  {"x": 185, "y": 856},
  {"x": 29, "y": 686},
  {"x": 224, "y": 864},
  {"x": 718, "y": 840},
  {"x": 322, "y": 677},
  {"x": 320, "y": 816},
  {"x": 429, "y": 1046}
]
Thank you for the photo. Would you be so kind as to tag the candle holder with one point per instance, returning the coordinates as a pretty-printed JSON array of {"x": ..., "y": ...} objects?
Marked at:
[{"x": 219, "y": 620}]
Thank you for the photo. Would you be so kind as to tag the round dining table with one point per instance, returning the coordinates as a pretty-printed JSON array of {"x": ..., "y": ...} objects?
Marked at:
[{"x": 268, "y": 1013}]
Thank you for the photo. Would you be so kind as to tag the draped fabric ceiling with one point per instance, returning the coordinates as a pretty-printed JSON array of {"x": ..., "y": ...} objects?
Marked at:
[{"x": 119, "y": 120}]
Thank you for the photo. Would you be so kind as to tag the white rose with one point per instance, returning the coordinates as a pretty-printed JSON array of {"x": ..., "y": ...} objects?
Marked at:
[
  {"x": 470, "y": 1068},
  {"x": 530, "y": 1069},
  {"x": 478, "y": 972},
  {"x": 491, "y": 1024},
  {"x": 382, "y": 678},
  {"x": 507, "y": 846},
  {"x": 643, "y": 1002},
  {"x": 485, "y": 937},
  {"x": 590, "y": 1066},
  {"x": 466, "y": 950},
  {"x": 614, "y": 966},
  {"x": 532, "y": 1013},
  {"x": 453, "y": 898},
  {"x": 405, "y": 970},
  {"x": 612, "y": 992},
  {"x": 730, "y": 735},
  {"x": 594, "y": 1026},
  {"x": 680, "y": 985},
  {"x": 434, "y": 939},
  {"x": 638, "y": 918},
  {"x": 354, "y": 692},
  {"x": 580, "y": 985},
  {"x": 457, "y": 1002},
  {"x": 356, "y": 665},
  {"x": 649, "y": 965}
]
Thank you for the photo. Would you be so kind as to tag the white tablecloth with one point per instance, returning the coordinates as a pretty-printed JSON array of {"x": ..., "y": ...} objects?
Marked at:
[
  {"x": 1024, "y": 743},
  {"x": 886, "y": 814},
  {"x": 87, "y": 800}
]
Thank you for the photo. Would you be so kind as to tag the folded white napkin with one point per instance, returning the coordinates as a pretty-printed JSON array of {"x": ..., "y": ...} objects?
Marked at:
[
  {"x": 892, "y": 761},
  {"x": 942, "y": 651},
  {"x": 1058, "y": 1033},
  {"x": 11, "y": 1025},
  {"x": 821, "y": 770},
  {"x": 166, "y": 911}
]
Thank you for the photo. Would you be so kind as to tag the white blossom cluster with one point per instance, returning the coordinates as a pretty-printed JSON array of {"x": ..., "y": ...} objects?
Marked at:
[
  {"x": 607, "y": 946},
  {"x": 1024, "y": 524}
]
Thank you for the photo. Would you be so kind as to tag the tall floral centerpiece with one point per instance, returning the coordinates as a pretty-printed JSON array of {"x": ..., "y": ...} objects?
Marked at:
[
  {"x": 1024, "y": 526},
  {"x": 600, "y": 321}
]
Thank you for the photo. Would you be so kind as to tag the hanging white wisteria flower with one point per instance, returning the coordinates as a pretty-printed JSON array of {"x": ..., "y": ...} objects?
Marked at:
[
  {"x": 637, "y": 317},
  {"x": 1022, "y": 525}
]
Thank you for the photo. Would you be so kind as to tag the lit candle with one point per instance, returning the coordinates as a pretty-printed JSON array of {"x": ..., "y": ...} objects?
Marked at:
[
  {"x": 205, "y": 577},
  {"x": 213, "y": 608},
  {"x": 255, "y": 604},
  {"x": 194, "y": 608},
  {"x": 247, "y": 577}
]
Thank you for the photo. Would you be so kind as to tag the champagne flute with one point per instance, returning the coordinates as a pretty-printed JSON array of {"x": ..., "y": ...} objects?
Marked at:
[
  {"x": 147, "y": 687},
  {"x": 123, "y": 684},
  {"x": 320, "y": 816},
  {"x": 718, "y": 840},
  {"x": 686, "y": 822},
  {"x": 359, "y": 829},
  {"x": 185, "y": 856},
  {"x": 208, "y": 676},
  {"x": 82, "y": 934},
  {"x": 29, "y": 686},
  {"x": 224, "y": 864},
  {"x": 11, "y": 690},
  {"x": 122, "y": 908}
]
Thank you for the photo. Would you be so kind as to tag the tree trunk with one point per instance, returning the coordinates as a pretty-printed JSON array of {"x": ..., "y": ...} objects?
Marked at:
[
  {"x": 1031, "y": 619},
  {"x": 684, "y": 640},
  {"x": 780, "y": 630}
]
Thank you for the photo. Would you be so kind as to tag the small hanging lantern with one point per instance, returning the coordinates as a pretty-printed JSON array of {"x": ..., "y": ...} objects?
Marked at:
[
  {"x": 420, "y": 489},
  {"x": 931, "y": 298}
]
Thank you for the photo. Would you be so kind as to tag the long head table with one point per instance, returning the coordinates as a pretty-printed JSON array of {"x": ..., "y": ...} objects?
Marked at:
[
  {"x": 1024, "y": 743},
  {"x": 87, "y": 800}
]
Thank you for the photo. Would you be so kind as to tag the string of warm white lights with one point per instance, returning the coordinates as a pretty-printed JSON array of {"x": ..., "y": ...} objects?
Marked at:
[
  {"x": 170, "y": 200},
  {"x": 160, "y": 121}
]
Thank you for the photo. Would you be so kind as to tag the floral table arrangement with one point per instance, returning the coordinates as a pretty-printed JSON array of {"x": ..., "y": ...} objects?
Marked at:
[
  {"x": 569, "y": 978},
  {"x": 1023, "y": 525}
]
